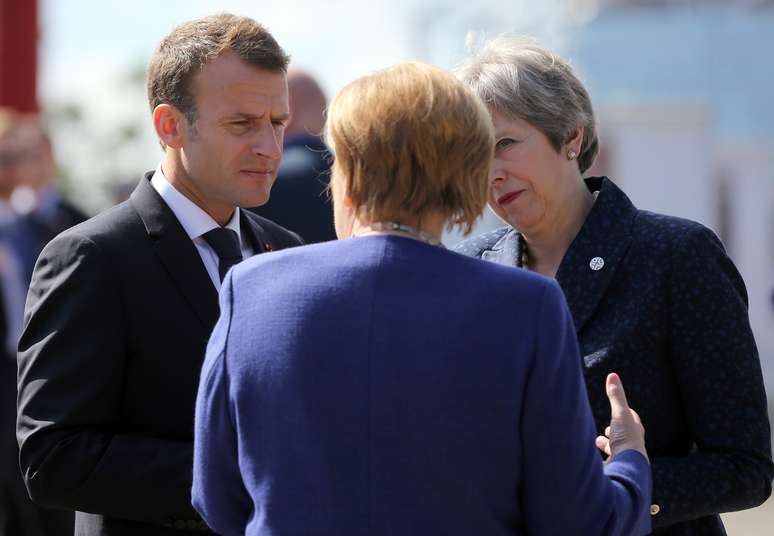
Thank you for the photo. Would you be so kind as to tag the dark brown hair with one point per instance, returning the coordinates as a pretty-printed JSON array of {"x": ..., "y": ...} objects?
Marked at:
[{"x": 184, "y": 52}]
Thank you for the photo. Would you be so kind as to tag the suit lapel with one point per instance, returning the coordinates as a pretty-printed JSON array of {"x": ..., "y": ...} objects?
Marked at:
[
  {"x": 176, "y": 252},
  {"x": 254, "y": 232},
  {"x": 593, "y": 257}
]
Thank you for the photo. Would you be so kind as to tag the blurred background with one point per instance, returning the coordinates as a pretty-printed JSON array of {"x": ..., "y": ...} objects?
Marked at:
[{"x": 682, "y": 91}]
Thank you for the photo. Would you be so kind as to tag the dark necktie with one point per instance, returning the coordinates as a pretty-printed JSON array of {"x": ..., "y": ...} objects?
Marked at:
[{"x": 225, "y": 242}]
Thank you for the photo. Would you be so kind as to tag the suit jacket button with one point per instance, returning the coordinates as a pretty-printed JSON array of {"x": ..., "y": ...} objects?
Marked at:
[
  {"x": 180, "y": 523},
  {"x": 203, "y": 526},
  {"x": 654, "y": 509}
]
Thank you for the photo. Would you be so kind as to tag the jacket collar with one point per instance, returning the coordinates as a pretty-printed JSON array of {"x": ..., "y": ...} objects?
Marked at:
[
  {"x": 606, "y": 235},
  {"x": 596, "y": 252},
  {"x": 176, "y": 251},
  {"x": 505, "y": 249},
  {"x": 254, "y": 231}
]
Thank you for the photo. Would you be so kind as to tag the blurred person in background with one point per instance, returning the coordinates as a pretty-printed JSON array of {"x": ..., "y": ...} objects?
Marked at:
[
  {"x": 391, "y": 410},
  {"x": 36, "y": 198},
  {"x": 299, "y": 198},
  {"x": 19, "y": 516},
  {"x": 653, "y": 297},
  {"x": 21, "y": 156},
  {"x": 121, "y": 306}
]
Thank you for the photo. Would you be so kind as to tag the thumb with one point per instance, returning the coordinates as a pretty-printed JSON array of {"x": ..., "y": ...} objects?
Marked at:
[{"x": 615, "y": 393}]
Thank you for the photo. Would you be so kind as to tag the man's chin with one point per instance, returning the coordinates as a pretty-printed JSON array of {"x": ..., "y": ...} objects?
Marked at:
[{"x": 255, "y": 201}]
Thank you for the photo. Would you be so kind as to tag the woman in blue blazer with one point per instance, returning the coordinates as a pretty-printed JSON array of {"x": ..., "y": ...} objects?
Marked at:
[
  {"x": 653, "y": 297},
  {"x": 362, "y": 386}
]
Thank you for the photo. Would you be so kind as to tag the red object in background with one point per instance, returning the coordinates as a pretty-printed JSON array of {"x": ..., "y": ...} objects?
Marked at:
[{"x": 19, "y": 54}]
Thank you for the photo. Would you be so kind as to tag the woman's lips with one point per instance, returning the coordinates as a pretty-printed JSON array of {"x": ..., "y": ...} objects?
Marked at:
[{"x": 509, "y": 197}]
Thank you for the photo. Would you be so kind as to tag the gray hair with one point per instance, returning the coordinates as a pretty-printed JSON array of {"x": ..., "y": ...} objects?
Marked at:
[{"x": 519, "y": 79}]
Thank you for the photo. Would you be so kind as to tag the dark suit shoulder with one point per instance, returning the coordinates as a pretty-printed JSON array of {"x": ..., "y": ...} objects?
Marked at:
[
  {"x": 102, "y": 243},
  {"x": 116, "y": 219},
  {"x": 475, "y": 247}
]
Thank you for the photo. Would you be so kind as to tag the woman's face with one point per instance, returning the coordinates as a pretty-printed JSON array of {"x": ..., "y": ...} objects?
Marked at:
[
  {"x": 343, "y": 215},
  {"x": 528, "y": 178}
]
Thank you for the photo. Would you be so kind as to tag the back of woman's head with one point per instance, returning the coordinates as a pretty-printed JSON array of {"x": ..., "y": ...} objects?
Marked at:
[
  {"x": 517, "y": 78},
  {"x": 410, "y": 140}
]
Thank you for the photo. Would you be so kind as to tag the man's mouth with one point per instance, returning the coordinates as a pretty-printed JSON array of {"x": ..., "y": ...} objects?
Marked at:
[{"x": 258, "y": 172}]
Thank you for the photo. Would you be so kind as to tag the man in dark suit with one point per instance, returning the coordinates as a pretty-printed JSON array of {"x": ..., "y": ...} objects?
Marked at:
[
  {"x": 19, "y": 516},
  {"x": 299, "y": 199},
  {"x": 121, "y": 306}
]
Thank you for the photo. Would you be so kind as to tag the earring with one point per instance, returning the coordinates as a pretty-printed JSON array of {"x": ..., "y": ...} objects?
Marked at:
[{"x": 571, "y": 155}]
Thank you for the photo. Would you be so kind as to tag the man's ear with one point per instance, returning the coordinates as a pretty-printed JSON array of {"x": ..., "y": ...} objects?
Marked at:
[{"x": 168, "y": 122}]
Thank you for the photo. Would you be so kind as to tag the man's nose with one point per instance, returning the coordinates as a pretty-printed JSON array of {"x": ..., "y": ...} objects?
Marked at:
[{"x": 268, "y": 141}]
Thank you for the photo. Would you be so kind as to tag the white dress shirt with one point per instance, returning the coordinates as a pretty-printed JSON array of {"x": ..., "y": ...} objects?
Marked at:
[{"x": 196, "y": 222}]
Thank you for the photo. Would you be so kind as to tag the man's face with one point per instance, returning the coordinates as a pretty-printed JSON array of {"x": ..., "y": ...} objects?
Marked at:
[{"x": 232, "y": 153}]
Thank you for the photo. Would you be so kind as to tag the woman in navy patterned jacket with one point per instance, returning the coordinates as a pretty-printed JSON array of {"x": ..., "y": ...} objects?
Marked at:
[{"x": 653, "y": 297}]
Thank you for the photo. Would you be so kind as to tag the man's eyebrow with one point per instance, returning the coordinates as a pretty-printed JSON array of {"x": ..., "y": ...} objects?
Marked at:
[{"x": 241, "y": 115}]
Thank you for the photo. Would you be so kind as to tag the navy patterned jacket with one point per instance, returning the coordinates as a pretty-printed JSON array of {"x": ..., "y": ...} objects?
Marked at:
[{"x": 667, "y": 310}]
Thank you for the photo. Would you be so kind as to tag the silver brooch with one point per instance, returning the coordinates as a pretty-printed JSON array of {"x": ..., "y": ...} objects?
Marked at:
[{"x": 596, "y": 263}]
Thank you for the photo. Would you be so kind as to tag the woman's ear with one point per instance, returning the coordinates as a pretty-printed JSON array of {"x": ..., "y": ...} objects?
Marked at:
[{"x": 575, "y": 142}]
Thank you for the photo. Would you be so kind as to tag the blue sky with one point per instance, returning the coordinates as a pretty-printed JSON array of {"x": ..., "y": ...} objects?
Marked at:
[{"x": 85, "y": 41}]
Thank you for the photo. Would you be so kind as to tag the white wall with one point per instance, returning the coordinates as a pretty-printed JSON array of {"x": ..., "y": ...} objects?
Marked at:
[
  {"x": 662, "y": 157},
  {"x": 751, "y": 181}
]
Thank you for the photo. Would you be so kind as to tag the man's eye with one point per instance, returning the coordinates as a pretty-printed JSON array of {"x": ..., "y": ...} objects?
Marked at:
[{"x": 239, "y": 127}]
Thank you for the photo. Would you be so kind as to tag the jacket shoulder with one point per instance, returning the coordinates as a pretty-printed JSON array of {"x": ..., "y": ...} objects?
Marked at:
[
  {"x": 672, "y": 231},
  {"x": 282, "y": 236},
  {"x": 475, "y": 247},
  {"x": 102, "y": 228}
]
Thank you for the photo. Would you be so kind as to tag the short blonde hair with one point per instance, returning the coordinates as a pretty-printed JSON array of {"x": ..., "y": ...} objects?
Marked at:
[
  {"x": 517, "y": 78},
  {"x": 410, "y": 140}
]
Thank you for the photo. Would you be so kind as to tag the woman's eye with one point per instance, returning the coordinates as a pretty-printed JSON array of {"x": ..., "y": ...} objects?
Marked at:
[{"x": 503, "y": 143}]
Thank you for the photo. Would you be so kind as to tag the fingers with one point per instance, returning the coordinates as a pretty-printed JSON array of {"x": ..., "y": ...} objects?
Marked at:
[
  {"x": 603, "y": 444},
  {"x": 615, "y": 393}
]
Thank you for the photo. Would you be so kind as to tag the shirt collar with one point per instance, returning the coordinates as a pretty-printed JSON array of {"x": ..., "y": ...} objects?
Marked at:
[{"x": 194, "y": 220}]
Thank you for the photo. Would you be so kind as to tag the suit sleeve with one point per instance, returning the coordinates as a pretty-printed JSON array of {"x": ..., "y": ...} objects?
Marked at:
[
  {"x": 219, "y": 494},
  {"x": 715, "y": 359},
  {"x": 72, "y": 358},
  {"x": 565, "y": 488}
]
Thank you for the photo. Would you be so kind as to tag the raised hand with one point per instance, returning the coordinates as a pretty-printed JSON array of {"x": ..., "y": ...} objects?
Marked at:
[{"x": 625, "y": 431}]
